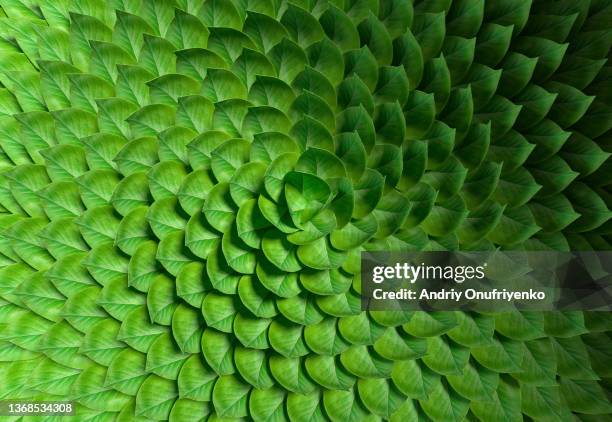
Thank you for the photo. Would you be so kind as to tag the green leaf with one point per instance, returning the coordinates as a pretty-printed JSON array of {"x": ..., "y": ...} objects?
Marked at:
[
  {"x": 326, "y": 57},
  {"x": 196, "y": 380},
  {"x": 357, "y": 119},
  {"x": 165, "y": 217},
  {"x": 515, "y": 225},
  {"x": 280, "y": 252},
  {"x": 291, "y": 374},
  {"x": 186, "y": 329},
  {"x": 565, "y": 324},
  {"x": 306, "y": 407},
  {"x": 67, "y": 274},
  {"x": 572, "y": 359},
  {"x": 352, "y": 92},
  {"x": 138, "y": 331},
  {"x": 302, "y": 26},
  {"x": 167, "y": 89},
  {"x": 165, "y": 179},
  {"x": 549, "y": 53},
  {"x": 118, "y": 299},
  {"x": 161, "y": 299},
  {"x": 157, "y": 55},
  {"x": 252, "y": 366},
  {"x": 273, "y": 179},
  {"x": 26, "y": 244},
  {"x": 360, "y": 361},
  {"x": 505, "y": 406},
  {"x": 219, "y": 311},
  {"x": 387, "y": 160},
  {"x": 583, "y": 155},
  {"x": 393, "y": 345},
  {"x": 368, "y": 192},
  {"x": 172, "y": 253},
  {"x": 62, "y": 237},
  {"x": 228, "y": 42},
  {"x": 279, "y": 282},
  {"x": 192, "y": 283},
  {"x": 445, "y": 404},
  {"x": 391, "y": 213},
  {"x": 87, "y": 388},
  {"x": 126, "y": 371},
  {"x": 267, "y": 404},
  {"x": 311, "y": 105},
  {"x": 584, "y": 396},
  {"x": 459, "y": 55},
  {"x": 155, "y": 397},
  {"x": 300, "y": 309},
  {"x": 362, "y": 63},
  {"x": 271, "y": 91},
  {"x": 312, "y": 80},
  {"x": 250, "y": 64},
  {"x": 325, "y": 282},
  {"x": 218, "y": 351},
  {"x": 554, "y": 214},
  {"x": 221, "y": 275},
  {"x": 503, "y": 355},
  {"x": 200, "y": 237},
  {"x": 320, "y": 255},
  {"x": 323, "y": 337},
  {"x": 251, "y": 332},
  {"x": 220, "y": 14},
  {"x": 518, "y": 70},
  {"x": 61, "y": 200},
  {"x": 537, "y": 367},
  {"x": 164, "y": 357},
  {"x": 379, "y": 396},
  {"x": 264, "y": 30},
  {"x": 390, "y": 124},
  {"x": 392, "y": 85},
  {"x": 142, "y": 267},
  {"x": 476, "y": 383},
  {"x": 339, "y": 28},
  {"x": 360, "y": 329},
  {"x": 325, "y": 372},
  {"x": 342, "y": 405},
  {"x": 287, "y": 339},
  {"x": 105, "y": 263},
  {"x": 479, "y": 222},
  {"x": 289, "y": 59},
  {"x": 187, "y": 31},
  {"x": 219, "y": 207},
  {"x": 430, "y": 324},
  {"x": 268, "y": 146},
  {"x": 542, "y": 401},
  {"x": 321, "y": 163},
  {"x": 247, "y": 182},
  {"x": 493, "y": 43},
  {"x": 516, "y": 188},
  {"x": 194, "y": 190},
  {"x": 221, "y": 84},
  {"x": 256, "y": 298},
  {"x": 40, "y": 296},
  {"x": 465, "y": 17},
  {"x": 196, "y": 62},
  {"x": 228, "y": 157},
  {"x": 184, "y": 409}
]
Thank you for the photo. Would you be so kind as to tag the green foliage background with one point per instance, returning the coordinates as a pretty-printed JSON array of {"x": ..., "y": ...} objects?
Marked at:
[{"x": 186, "y": 186}]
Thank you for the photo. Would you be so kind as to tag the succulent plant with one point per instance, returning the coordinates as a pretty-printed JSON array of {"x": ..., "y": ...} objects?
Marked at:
[{"x": 186, "y": 187}]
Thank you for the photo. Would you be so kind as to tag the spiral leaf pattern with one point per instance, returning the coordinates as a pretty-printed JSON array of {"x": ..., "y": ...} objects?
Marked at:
[{"x": 186, "y": 187}]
